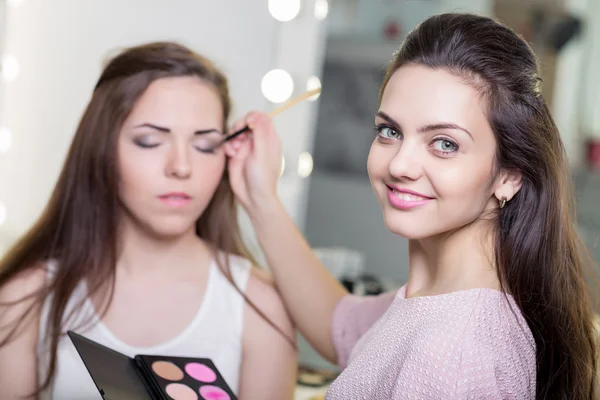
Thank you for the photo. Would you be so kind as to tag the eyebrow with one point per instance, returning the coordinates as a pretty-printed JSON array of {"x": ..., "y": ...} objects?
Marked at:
[
  {"x": 427, "y": 128},
  {"x": 167, "y": 130}
]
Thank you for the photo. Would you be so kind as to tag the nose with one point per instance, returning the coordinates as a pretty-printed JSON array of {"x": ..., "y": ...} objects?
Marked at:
[
  {"x": 179, "y": 162},
  {"x": 407, "y": 162}
]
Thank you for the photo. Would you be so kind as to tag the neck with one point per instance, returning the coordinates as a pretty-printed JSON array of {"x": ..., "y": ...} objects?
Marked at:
[
  {"x": 144, "y": 254},
  {"x": 457, "y": 260}
]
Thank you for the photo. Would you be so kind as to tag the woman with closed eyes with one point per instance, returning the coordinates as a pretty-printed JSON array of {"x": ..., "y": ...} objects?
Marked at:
[{"x": 139, "y": 248}]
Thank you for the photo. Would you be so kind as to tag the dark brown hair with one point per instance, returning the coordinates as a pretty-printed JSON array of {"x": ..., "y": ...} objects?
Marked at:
[
  {"x": 79, "y": 225},
  {"x": 540, "y": 257}
]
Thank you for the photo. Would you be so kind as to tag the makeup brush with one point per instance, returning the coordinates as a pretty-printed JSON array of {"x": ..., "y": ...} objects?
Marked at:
[{"x": 273, "y": 113}]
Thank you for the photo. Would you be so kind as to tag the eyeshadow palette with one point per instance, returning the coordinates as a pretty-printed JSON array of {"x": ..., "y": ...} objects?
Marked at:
[{"x": 150, "y": 377}]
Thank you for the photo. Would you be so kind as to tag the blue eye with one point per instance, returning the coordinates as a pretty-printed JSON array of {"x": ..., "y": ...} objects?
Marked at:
[
  {"x": 387, "y": 132},
  {"x": 445, "y": 146}
]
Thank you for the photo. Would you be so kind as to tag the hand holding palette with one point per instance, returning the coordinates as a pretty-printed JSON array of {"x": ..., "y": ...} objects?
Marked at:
[{"x": 150, "y": 377}]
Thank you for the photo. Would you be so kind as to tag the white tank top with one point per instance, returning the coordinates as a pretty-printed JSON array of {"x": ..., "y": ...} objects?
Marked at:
[{"x": 222, "y": 306}]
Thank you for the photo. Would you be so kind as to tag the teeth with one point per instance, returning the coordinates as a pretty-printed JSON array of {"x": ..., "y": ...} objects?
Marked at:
[{"x": 407, "y": 196}]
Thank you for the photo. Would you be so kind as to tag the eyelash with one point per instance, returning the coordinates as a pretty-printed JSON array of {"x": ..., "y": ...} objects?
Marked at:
[
  {"x": 379, "y": 129},
  {"x": 205, "y": 151},
  {"x": 442, "y": 152},
  {"x": 151, "y": 146},
  {"x": 145, "y": 145}
]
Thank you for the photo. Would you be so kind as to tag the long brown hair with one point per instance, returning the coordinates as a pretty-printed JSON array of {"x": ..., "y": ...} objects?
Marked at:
[
  {"x": 78, "y": 228},
  {"x": 541, "y": 260}
]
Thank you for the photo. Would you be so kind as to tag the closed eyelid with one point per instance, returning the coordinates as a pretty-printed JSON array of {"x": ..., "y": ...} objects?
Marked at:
[{"x": 145, "y": 133}]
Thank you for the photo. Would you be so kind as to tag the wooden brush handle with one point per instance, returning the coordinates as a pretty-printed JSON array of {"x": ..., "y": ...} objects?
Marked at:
[
  {"x": 273, "y": 113},
  {"x": 294, "y": 101}
]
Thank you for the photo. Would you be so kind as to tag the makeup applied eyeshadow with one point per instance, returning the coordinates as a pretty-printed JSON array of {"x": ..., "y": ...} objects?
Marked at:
[{"x": 150, "y": 377}]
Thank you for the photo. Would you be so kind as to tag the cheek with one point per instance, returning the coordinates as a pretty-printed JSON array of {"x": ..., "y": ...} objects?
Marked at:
[
  {"x": 369, "y": 164},
  {"x": 136, "y": 173},
  {"x": 208, "y": 172},
  {"x": 377, "y": 162},
  {"x": 462, "y": 186}
]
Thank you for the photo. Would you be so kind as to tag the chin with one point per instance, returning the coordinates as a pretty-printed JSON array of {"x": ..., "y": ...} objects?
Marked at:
[
  {"x": 169, "y": 230},
  {"x": 411, "y": 227},
  {"x": 418, "y": 225},
  {"x": 410, "y": 234}
]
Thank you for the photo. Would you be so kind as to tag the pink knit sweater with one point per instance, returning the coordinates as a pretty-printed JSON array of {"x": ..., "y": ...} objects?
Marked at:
[{"x": 471, "y": 344}]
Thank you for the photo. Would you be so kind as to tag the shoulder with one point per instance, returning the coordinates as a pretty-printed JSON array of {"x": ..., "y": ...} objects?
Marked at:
[
  {"x": 257, "y": 285},
  {"x": 19, "y": 332},
  {"x": 238, "y": 266},
  {"x": 353, "y": 318},
  {"x": 268, "y": 342},
  {"x": 497, "y": 322},
  {"x": 368, "y": 306},
  {"x": 355, "y": 315},
  {"x": 499, "y": 342},
  {"x": 499, "y": 316},
  {"x": 261, "y": 291},
  {"x": 24, "y": 284},
  {"x": 20, "y": 299}
]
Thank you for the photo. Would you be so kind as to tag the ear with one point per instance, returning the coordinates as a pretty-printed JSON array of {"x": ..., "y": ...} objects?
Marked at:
[{"x": 508, "y": 184}]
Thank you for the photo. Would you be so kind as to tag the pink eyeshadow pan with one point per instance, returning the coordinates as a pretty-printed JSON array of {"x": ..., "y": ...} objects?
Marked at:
[
  {"x": 177, "y": 391},
  {"x": 213, "y": 393},
  {"x": 201, "y": 372}
]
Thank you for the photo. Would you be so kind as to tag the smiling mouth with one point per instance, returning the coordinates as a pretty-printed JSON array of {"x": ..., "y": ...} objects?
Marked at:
[
  {"x": 403, "y": 200},
  {"x": 408, "y": 196}
]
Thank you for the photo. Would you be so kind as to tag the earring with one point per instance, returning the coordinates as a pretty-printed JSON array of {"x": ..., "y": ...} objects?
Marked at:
[{"x": 503, "y": 202}]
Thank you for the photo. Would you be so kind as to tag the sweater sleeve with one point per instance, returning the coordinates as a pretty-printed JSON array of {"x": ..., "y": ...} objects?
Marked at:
[{"x": 352, "y": 318}]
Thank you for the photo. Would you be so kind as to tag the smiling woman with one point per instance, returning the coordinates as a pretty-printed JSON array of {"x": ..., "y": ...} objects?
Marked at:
[
  {"x": 434, "y": 148},
  {"x": 139, "y": 248},
  {"x": 467, "y": 164}
]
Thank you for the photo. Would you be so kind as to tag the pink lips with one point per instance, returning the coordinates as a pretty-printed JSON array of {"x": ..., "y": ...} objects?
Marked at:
[
  {"x": 405, "y": 199},
  {"x": 175, "y": 199}
]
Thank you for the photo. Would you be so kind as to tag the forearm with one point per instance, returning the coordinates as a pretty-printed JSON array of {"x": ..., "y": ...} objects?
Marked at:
[{"x": 309, "y": 291}]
